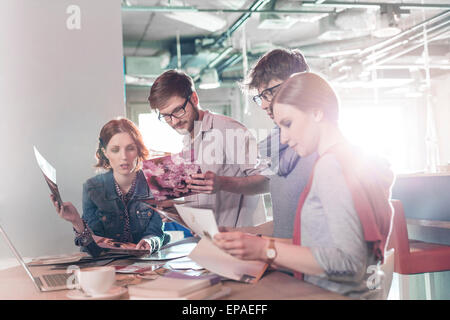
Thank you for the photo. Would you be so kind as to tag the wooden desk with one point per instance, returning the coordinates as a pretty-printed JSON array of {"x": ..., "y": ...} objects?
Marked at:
[{"x": 15, "y": 284}]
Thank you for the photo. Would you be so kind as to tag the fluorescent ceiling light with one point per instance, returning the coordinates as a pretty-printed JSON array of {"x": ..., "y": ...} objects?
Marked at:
[
  {"x": 387, "y": 24},
  {"x": 138, "y": 81},
  {"x": 333, "y": 35},
  {"x": 209, "y": 79},
  {"x": 233, "y": 4},
  {"x": 275, "y": 22},
  {"x": 202, "y": 20},
  {"x": 340, "y": 53},
  {"x": 378, "y": 83},
  {"x": 341, "y": 5},
  {"x": 387, "y": 32}
]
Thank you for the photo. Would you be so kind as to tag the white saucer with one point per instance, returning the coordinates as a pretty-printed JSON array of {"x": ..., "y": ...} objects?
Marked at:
[{"x": 113, "y": 293}]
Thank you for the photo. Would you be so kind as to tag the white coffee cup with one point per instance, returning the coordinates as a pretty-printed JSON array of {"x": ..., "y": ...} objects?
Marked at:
[{"x": 96, "y": 280}]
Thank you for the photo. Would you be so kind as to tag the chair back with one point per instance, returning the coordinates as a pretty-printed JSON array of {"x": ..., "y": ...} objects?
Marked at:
[
  {"x": 399, "y": 238},
  {"x": 388, "y": 270}
]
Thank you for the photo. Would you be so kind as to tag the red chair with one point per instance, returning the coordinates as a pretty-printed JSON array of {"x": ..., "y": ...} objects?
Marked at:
[{"x": 415, "y": 257}]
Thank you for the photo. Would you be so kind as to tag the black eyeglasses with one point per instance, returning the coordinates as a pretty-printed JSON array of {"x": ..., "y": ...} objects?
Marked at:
[
  {"x": 178, "y": 113},
  {"x": 266, "y": 94}
]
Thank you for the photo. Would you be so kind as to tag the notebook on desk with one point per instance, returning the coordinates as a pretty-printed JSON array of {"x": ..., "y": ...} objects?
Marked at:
[{"x": 45, "y": 282}]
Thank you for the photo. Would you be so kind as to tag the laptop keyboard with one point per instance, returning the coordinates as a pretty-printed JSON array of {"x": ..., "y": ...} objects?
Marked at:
[{"x": 56, "y": 280}]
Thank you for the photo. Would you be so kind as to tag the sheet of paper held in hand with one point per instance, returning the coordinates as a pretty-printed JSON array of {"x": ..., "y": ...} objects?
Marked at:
[
  {"x": 211, "y": 257},
  {"x": 49, "y": 174},
  {"x": 200, "y": 221}
]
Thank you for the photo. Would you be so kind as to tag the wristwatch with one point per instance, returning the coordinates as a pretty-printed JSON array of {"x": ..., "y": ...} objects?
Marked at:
[{"x": 271, "y": 252}]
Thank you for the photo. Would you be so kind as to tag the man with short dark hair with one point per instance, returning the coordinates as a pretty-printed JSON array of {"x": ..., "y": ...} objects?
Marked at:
[
  {"x": 290, "y": 172},
  {"x": 230, "y": 181}
]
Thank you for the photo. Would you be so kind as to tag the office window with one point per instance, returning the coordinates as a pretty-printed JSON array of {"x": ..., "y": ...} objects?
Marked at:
[
  {"x": 158, "y": 135},
  {"x": 392, "y": 130}
]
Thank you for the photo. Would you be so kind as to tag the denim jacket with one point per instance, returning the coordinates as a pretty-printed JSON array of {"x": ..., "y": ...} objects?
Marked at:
[{"x": 103, "y": 212}]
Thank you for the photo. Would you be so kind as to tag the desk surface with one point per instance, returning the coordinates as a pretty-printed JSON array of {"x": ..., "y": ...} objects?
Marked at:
[{"x": 15, "y": 284}]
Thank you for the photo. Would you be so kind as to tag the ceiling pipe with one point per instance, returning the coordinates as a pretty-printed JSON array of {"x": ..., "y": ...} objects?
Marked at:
[
  {"x": 219, "y": 41},
  {"x": 235, "y": 58},
  {"x": 405, "y": 51},
  {"x": 214, "y": 62},
  {"x": 381, "y": 44},
  {"x": 239, "y": 22},
  {"x": 306, "y": 4},
  {"x": 411, "y": 66},
  {"x": 381, "y": 53},
  {"x": 195, "y": 9},
  {"x": 403, "y": 5},
  {"x": 158, "y": 9}
]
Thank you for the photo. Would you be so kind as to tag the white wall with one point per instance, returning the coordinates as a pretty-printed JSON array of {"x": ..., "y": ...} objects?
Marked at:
[{"x": 57, "y": 88}]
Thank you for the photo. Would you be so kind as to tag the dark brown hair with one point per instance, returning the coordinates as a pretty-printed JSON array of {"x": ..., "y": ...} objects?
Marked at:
[
  {"x": 307, "y": 91},
  {"x": 275, "y": 64},
  {"x": 112, "y": 128},
  {"x": 169, "y": 84}
]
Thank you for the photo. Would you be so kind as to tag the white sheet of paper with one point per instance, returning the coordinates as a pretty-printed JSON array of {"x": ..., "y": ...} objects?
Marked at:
[
  {"x": 46, "y": 167},
  {"x": 212, "y": 258},
  {"x": 201, "y": 221}
]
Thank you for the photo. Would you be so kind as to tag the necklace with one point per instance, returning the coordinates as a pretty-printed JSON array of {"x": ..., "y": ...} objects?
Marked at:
[{"x": 126, "y": 236}]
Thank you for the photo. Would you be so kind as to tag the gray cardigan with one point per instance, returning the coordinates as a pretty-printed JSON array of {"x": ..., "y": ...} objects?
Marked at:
[{"x": 330, "y": 227}]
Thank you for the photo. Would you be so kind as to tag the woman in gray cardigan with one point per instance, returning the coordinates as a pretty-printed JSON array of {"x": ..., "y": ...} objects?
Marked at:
[{"x": 344, "y": 215}]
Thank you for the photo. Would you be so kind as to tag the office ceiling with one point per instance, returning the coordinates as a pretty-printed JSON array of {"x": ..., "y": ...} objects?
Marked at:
[{"x": 350, "y": 42}]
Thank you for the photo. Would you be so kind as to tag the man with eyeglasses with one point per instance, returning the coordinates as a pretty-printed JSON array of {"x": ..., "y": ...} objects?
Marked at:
[
  {"x": 229, "y": 184},
  {"x": 290, "y": 173}
]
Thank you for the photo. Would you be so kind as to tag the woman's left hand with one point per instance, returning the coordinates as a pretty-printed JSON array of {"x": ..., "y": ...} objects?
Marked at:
[
  {"x": 244, "y": 246},
  {"x": 144, "y": 245}
]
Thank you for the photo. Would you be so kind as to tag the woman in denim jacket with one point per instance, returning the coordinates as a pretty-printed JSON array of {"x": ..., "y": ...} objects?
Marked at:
[{"x": 112, "y": 205}]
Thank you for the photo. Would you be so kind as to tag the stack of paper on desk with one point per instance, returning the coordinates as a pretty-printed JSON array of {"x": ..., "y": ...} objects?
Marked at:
[
  {"x": 175, "y": 285},
  {"x": 211, "y": 257},
  {"x": 58, "y": 259}
]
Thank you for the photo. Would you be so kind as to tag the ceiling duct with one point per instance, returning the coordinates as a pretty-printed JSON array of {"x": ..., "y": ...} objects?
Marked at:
[
  {"x": 273, "y": 21},
  {"x": 209, "y": 79},
  {"x": 285, "y": 20},
  {"x": 348, "y": 24},
  {"x": 147, "y": 66},
  {"x": 202, "y": 20}
]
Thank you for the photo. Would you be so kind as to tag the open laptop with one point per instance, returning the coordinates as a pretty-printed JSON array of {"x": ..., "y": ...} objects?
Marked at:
[{"x": 46, "y": 282}]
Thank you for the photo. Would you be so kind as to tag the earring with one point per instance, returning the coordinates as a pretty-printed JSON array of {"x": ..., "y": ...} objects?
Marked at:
[{"x": 107, "y": 165}]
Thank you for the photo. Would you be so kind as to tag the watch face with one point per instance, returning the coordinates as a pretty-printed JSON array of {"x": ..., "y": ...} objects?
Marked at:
[{"x": 271, "y": 253}]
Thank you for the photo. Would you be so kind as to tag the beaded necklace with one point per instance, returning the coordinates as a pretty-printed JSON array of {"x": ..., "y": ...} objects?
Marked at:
[{"x": 126, "y": 237}]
